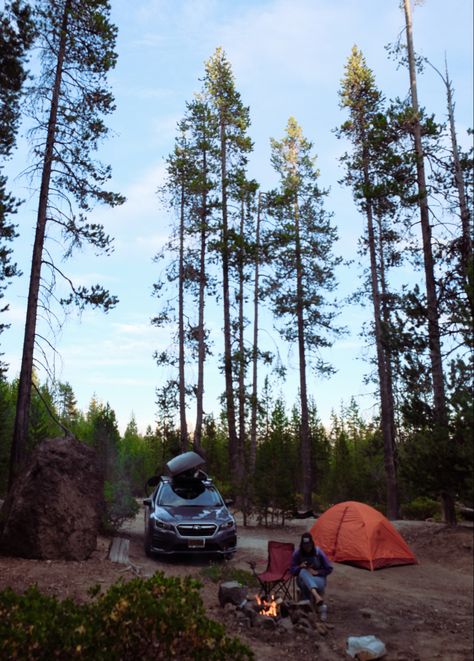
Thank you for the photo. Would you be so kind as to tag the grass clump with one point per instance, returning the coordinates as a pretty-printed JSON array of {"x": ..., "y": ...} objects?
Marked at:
[{"x": 218, "y": 573}]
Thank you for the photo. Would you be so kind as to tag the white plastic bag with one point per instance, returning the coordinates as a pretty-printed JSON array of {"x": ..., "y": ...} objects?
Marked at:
[{"x": 369, "y": 644}]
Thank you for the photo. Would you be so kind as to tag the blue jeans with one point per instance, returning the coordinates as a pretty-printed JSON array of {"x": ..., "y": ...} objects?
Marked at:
[{"x": 306, "y": 581}]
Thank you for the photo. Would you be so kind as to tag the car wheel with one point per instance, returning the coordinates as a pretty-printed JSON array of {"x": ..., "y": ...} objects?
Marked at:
[{"x": 147, "y": 544}]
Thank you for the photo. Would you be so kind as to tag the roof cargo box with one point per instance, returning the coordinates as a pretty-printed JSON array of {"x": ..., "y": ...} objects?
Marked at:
[{"x": 184, "y": 465}]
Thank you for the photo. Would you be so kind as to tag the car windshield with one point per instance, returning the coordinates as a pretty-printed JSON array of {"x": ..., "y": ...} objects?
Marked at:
[{"x": 194, "y": 495}]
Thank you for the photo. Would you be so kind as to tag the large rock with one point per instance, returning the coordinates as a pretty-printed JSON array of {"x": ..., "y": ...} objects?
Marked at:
[
  {"x": 232, "y": 592},
  {"x": 53, "y": 510}
]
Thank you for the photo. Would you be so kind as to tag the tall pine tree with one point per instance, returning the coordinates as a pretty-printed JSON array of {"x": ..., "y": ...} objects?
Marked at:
[
  {"x": 433, "y": 312},
  {"x": 303, "y": 269},
  {"x": 234, "y": 146},
  {"x": 76, "y": 42},
  {"x": 371, "y": 170}
]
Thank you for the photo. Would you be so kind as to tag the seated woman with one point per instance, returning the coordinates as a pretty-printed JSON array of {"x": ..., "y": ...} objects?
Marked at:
[{"x": 311, "y": 566}]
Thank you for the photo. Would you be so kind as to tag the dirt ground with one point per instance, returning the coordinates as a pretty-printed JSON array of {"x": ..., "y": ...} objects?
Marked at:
[{"x": 423, "y": 611}]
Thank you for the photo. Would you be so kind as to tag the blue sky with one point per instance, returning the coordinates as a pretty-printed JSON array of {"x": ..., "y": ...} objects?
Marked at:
[{"x": 288, "y": 58}]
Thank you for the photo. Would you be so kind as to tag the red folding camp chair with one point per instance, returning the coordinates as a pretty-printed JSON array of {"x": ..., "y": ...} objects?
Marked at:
[{"x": 277, "y": 579}]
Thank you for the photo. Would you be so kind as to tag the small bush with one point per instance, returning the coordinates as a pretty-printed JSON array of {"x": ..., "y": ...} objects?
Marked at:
[
  {"x": 319, "y": 504},
  {"x": 120, "y": 505},
  {"x": 421, "y": 508},
  {"x": 157, "y": 618}
]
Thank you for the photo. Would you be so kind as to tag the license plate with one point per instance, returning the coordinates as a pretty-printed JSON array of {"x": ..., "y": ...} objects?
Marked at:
[{"x": 197, "y": 543}]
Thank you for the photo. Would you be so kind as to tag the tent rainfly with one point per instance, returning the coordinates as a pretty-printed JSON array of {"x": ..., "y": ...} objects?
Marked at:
[{"x": 357, "y": 534}]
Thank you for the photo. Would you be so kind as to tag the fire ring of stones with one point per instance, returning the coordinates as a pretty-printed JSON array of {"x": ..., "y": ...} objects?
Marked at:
[{"x": 277, "y": 615}]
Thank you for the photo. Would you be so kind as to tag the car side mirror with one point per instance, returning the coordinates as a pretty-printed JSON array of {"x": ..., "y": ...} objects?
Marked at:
[
  {"x": 229, "y": 502},
  {"x": 147, "y": 502},
  {"x": 151, "y": 483}
]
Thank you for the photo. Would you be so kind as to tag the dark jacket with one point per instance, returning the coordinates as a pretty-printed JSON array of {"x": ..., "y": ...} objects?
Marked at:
[{"x": 317, "y": 560}]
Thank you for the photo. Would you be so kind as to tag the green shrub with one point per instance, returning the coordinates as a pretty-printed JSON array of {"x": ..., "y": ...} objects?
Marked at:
[
  {"x": 421, "y": 508},
  {"x": 156, "y": 618},
  {"x": 318, "y": 503},
  {"x": 120, "y": 505}
]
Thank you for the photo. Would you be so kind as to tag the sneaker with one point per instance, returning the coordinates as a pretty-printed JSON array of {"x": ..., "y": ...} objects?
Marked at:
[
  {"x": 315, "y": 604},
  {"x": 323, "y": 612}
]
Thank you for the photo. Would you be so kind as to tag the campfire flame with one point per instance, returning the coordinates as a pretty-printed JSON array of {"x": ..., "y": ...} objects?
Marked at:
[{"x": 268, "y": 608}]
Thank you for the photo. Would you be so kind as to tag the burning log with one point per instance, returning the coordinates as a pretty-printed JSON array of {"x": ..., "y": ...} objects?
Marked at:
[{"x": 269, "y": 608}]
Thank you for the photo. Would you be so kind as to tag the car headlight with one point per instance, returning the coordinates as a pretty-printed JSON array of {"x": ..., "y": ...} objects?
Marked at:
[
  {"x": 163, "y": 525},
  {"x": 227, "y": 525}
]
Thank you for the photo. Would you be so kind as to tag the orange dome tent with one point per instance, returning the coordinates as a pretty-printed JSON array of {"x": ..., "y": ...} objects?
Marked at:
[{"x": 357, "y": 534}]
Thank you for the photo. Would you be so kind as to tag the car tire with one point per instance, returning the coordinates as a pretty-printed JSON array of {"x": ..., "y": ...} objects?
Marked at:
[{"x": 147, "y": 544}]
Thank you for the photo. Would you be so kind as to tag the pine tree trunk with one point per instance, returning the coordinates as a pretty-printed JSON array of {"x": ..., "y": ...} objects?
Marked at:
[
  {"x": 386, "y": 323},
  {"x": 235, "y": 467},
  {"x": 183, "y": 429},
  {"x": 431, "y": 297},
  {"x": 22, "y": 415},
  {"x": 244, "y": 489},
  {"x": 449, "y": 509},
  {"x": 305, "y": 436},
  {"x": 241, "y": 450},
  {"x": 466, "y": 231},
  {"x": 386, "y": 397},
  {"x": 201, "y": 335},
  {"x": 254, "y": 399},
  {"x": 434, "y": 340}
]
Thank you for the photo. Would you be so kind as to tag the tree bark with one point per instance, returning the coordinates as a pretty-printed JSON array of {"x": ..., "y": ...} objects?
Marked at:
[
  {"x": 201, "y": 334},
  {"x": 466, "y": 230},
  {"x": 183, "y": 429},
  {"x": 305, "y": 435},
  {"x": 449, "y": 509},
  {"x": 241, "y": 362},
  {"x": 245, "y": 491},
  {"x": 254, "y": 398},
  {"x": 22, "y": 415},
  {"x": 434, "y": 341},
  {"x": 383, "y": 366},
  {"x": 235, "y": 467},
  {"x": 386, "y": 322},
  {"x": 431, "y": 296}
]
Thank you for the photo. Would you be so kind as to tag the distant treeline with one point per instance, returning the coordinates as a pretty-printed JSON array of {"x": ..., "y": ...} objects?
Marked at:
[{"x": 348, "y": 455}]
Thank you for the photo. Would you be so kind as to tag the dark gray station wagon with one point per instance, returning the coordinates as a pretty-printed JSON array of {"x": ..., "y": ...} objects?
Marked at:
[{"x": 186, "y": 514}]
